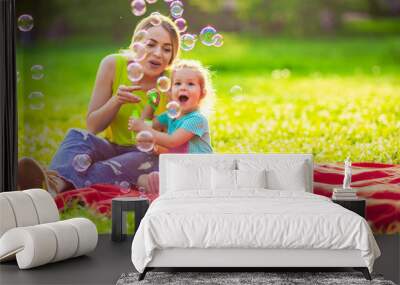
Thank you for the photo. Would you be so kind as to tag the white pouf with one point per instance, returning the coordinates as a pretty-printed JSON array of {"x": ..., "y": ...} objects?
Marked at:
[{"x": 31, "y": 232}]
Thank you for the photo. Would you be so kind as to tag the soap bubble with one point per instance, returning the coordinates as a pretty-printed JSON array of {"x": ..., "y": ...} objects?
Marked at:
[
  {"x": 218, "y": 40},
  {"x": 207, "y": 35},
  {"x": 138, "y": 7},
  {"x": 36, "y": 100},
  {"x": 285, "y": 73},
  {"x": 138, "y": 51},
  {"x": 163, "y": 83},
  {"x": 142, "y": 192},
  {"x": 81, "y": 162},
  {"x": 176, "y": 9},
  {"x": 25, "y": 23},
  {"x": 151, "y": 1},
  {"x": 187, "y": 42},
  {"x": 173, "y": 109},
  {"x": 181, "y": 24},
  {"x": 176, "y": 2},
  {"x": 155, "y": 19},
  {"x": 135, "y": 72},
  {"x": 140, "y": 36},
  {"x": 280, "y": 74},
  {"x": 145, "y": 141},
  {"x": 125, "y": 187},
  {"x": 237, "y": 93},
  {"x": 236, "y": 89},
  {"x": 37, "y": 72}
]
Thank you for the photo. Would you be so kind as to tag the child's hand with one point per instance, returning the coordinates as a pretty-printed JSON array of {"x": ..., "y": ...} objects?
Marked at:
[{"x": 136, "y": 125}]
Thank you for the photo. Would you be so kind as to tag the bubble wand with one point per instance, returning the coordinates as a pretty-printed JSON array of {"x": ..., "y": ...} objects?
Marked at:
[{"x": 152, "y": 98}]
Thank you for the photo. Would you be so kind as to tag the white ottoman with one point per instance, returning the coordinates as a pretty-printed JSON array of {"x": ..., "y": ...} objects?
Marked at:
[{"x": 31, "y": 232}]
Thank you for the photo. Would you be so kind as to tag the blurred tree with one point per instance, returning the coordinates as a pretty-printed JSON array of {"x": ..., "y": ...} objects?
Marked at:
[
  {"x": 374, "y": 7},
  {"x": 284, "y": 16},
  {"x": 56, "y": 19},
  {"x": 384, "y": 7}
]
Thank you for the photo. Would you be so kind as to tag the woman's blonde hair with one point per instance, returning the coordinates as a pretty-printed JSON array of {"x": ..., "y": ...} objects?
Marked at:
[
  {"x": 168, "y": 25},
  {"x": 207, "y": 101}
]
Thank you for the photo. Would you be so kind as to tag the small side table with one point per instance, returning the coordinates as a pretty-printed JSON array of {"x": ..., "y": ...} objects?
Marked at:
[
  {"x": 119, "y": 207},
  {"x": 357, "y": 206}
]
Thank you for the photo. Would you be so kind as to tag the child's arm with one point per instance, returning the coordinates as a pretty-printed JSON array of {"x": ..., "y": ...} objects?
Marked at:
[
  {"x": 157, "y": 125},
  {"x": 147, "y": 113},
  {"x": 179, "y": 137}
]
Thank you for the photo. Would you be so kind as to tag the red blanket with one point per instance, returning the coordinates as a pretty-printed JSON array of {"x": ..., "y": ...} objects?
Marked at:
[{"x": 378, "y": 183}]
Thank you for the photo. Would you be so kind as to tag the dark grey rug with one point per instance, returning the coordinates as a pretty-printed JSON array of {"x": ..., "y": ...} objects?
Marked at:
[{"x": 231, "y": 278}]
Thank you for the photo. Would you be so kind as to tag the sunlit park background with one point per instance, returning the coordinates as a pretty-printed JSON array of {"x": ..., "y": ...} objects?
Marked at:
[{"x": 313, "y": 76}]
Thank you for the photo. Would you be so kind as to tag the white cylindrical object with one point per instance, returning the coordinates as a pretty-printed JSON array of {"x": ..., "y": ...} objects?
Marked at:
[
  {"x": 87, "y": 234},
  {"x": 67, "y": 240},
  {"x": 7, "y": 217},
  {"x": 45, "y": 206},
  {"x": 40, "y": 246},
  {"x": 34, "y": 245},
  {"x": 23, "y": 207}
]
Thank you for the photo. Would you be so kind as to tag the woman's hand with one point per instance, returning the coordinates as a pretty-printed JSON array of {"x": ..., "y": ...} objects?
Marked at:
[
  {"x": 137, "y": 125},
  {"x": 124, "y": 94}
]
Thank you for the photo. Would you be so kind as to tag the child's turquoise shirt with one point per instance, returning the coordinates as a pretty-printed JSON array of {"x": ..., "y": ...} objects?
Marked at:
[{"x": 193, "y": 122}]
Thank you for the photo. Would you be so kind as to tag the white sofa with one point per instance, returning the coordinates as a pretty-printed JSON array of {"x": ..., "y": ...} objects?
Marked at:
[{"x": 31, "y": 231}]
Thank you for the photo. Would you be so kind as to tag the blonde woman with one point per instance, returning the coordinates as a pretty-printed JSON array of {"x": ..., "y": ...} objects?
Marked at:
[{"x": 113, "y": 158}]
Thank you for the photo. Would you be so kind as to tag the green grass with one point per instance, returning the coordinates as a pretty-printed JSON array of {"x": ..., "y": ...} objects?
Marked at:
[
  {"x": 371, "y": 26},
  {"x": 333, "y": 97},
  {"x": 102, "y": 222},
  {"x": 339, "y": 96}
]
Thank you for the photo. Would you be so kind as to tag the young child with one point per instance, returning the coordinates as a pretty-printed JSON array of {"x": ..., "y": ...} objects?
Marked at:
[{"x": 189, "y": 132}]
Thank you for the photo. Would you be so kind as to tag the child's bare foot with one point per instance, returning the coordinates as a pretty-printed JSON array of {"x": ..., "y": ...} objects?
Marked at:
[{"x": 149, "y": 182}]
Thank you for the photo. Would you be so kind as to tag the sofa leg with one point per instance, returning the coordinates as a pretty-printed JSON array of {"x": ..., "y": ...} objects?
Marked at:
[
  {"x": 143, "y": 274},
  {"x": 364, "y": 271}
]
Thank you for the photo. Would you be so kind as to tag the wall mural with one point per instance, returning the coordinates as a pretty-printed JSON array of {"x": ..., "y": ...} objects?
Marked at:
[{"x": 303, "y": 77}]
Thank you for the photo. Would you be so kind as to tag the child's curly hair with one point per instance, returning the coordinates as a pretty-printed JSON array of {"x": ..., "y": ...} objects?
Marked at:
[{"x": 207, "y": 102}]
